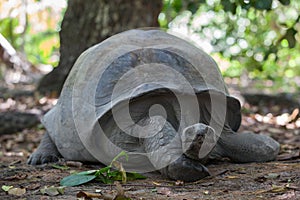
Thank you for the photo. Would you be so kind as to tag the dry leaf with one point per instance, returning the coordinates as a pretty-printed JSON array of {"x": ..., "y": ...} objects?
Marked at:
[
  {"x": 156, "y": 183},
  {"x": 272, "y": 176},
  {"x": 120, "y": 168},
  {"x": 206, "y": 192},
  {"x": 231, "y": 177},
  {"x": 278, "y": 189},
  {"x": 120, "y": 192},
  {"x": 119, "y": 188},
  {"x": 74, "y": 164},
  {"x": 164, "y": 191},
  {"x": 17, "y": 191},
  {"x": 88, "y": 195},
  {"x": 52, "y": 191}
]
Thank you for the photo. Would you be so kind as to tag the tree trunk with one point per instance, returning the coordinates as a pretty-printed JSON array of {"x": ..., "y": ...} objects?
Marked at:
[{"x": 91, "y": 21}]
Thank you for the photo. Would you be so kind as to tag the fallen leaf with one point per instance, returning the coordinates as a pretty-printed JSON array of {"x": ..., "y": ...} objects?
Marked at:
[
  {"x": 231, "y": 177},
  {"x": 6, "y": 187},
  {"x": 272, "y": 176},
  {"x": 206, "y": 192},
  {"x": 292, "y": 187},
  {"x": 52, "y": 191},
  {"x": 120, "y": 168},
  {"x": 74, "y": 164},
  {"x": 119, "y": 188},
  {"x": 76, "y": 179},
  {"x": 88, "y": 195},
  {"x": 62, "y": 167},
  {"x": 278, "y": 189},
  {"x": 120, "y": 192},
  {"x": 164, "y": 191},
  {"x": 156, "y": 183},
  {"x": 294, "y": 114},
  {"x": 17, "y": 191}
]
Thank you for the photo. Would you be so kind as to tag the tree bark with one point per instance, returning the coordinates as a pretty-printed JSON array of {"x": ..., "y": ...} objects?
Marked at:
[{"x": 91, "y": 21}]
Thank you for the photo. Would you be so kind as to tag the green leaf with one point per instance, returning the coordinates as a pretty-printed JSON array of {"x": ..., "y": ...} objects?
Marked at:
[
  {"x": 52, "y": 191},
  {"x": 133, "y": 176},
  {"x": 122, "y": 198},
  {"x": 103, "y": 170},
  {"x": 177, "y": 5},
  {"x": 62, "y": 167},
  {"x": 104, "y": 179},
  {"x": 6, "y": 187},
  {"x": 122, "y": 153},
  {"x": 74, "y": 180},
  {"x": 105, "y": 175},
  {"x": 120, "y": 169},
  {"x": 89, "y": 172}
]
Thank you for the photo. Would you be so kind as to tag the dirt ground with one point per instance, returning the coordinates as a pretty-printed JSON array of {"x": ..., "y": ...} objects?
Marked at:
[{"x": 277, "y": 180}]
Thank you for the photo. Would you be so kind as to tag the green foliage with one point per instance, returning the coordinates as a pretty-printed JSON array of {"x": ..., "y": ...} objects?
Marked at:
[
  {"x": 43, "y": 47},
  {"x": 260, "y": 38},
  {"x": 105, "y": 175},
  {"x": 33, "y": 32},
  {"x": 38, "y": 47},
  {"x": 7, "y": 25}
]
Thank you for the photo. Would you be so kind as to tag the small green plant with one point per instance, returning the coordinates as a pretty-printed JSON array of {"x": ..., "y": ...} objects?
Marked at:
[{"x": 105, "y": 175}]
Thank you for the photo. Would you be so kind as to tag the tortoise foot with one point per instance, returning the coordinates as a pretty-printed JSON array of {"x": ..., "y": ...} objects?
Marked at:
[{"x": 46, "y": 152}]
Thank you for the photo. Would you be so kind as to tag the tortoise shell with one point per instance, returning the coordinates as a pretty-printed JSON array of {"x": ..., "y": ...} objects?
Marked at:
[{"x": 127, "y": 66}]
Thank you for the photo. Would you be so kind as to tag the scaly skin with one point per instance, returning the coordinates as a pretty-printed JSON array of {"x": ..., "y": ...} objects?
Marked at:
[
  {"x": 45, "y": 153},
  {"x": 245, "y": 147},
  {"x": 166, "y": 153}
]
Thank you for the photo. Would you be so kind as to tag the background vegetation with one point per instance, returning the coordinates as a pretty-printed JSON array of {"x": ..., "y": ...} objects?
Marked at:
[{"x": 252, "y": 39}]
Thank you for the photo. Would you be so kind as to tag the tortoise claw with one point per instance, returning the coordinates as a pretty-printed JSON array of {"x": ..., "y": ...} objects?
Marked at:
[
  {"x": 46, "y": 152},
  {"x": 40, "y": 158}
]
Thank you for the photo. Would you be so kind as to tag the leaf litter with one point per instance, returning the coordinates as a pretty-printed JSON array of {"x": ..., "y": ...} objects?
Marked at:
[{"x": 277, "y": 180}]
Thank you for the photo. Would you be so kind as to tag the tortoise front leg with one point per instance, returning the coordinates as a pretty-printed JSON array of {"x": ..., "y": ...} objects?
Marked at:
[
  {"x": 245, "y": 147},
  {"x": 165, "y": 153},
  {"x": 45, "y": 153}
]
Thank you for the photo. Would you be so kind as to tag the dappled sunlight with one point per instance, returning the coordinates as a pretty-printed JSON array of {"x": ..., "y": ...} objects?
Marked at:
[
  {"x": 30, "y": 104},
  {"x": 288, "y": 120}
]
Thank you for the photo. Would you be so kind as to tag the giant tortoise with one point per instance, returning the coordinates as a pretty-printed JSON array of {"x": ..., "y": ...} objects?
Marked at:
[{"x": 156, "y": 97}]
